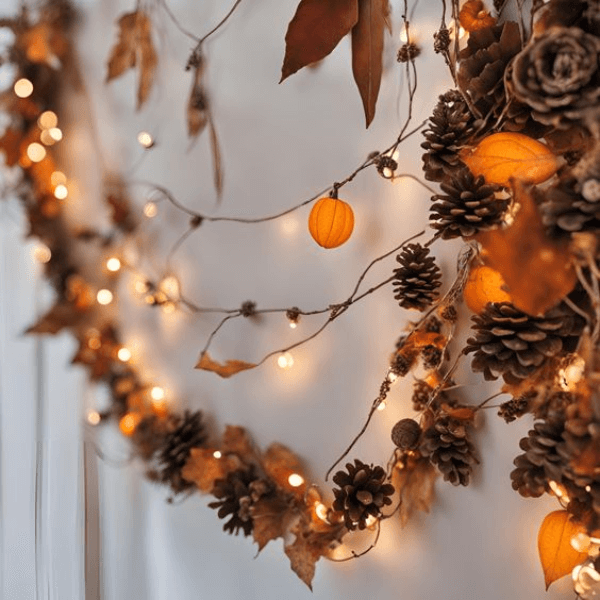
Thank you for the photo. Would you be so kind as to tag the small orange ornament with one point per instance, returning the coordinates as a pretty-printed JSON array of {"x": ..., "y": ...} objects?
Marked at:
[
  {"x": 331, "y": 222},
  {"x": 484, "y": 285}
]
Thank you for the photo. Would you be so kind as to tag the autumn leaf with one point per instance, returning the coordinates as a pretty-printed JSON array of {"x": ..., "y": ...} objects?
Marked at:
[
  {"x": 216, "y": 157},
  {"x": 10, "y": 144},
  {"x": 502, "y": 157},
  {"x": 279, "y": 462},
  {"x": 231, "y": 367},
  {"x": 367, "y": 52},
  {"x": 536, "y": 269},
  {"x": 61, "y": 315},
  {"x": 315, "y": 30},
  {"x": 197, "y": 107},
  {"x": 270, "y": 519},
  {"x": 415, "y": 482},
  {"x": 237, "y": 441},
  {"x": 134, "y": 48},
  {"x": 557, "y": 556},
  {"x": 203, "y": 469}
]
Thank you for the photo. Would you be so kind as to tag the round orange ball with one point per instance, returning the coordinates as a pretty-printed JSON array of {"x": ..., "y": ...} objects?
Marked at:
[
  {"x": 484, "y": 285},
  {"x": 331, "y": 222}
]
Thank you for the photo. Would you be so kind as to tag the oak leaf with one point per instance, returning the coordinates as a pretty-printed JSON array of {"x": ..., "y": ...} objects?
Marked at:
[
  {"x": 203, "y": 469},
  {"x": 231, "y": 367},
  {"x": 537, "y": 270},
  {"x": 557, "y": 556},
  {"x": 315, "y": 30},
  {"x": 134, "y": 48},
  {"x": 270, "y": 519},
  {"x": 415, "y": 482},
  {"x": 502, "y": 157},
  {"x": 367, "y": 51}
]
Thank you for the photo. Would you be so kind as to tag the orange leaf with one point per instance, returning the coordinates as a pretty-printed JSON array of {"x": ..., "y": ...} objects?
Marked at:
[
  {"x": 536, "y": 269},
  {"x": 203, "y": 468},
  {"x": 231, "y": 367},
  {"x": 557, "y": 556},
  {"x": 501, "y": 157},
  {"x": 473, "y": 16},
  {"x": 367, "y": 52},
  {"x": 315, "y": 30}
]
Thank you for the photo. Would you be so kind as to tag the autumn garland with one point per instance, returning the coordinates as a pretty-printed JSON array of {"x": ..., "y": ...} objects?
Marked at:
[{"x": 522, "y": 204}]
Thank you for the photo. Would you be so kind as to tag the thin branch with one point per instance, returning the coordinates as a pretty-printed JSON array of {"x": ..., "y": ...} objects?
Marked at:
[
  {"x": 359, "y": 554},
  {"x": 177, "y": 23}
]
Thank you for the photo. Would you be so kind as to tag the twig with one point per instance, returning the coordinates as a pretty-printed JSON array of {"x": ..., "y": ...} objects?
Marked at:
[
  {"x": 359, "y": 554},
  {"x": 177, "y": 23}
]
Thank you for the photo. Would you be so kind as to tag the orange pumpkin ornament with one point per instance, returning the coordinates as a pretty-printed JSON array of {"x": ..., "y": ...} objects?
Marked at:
[
  {"x": 331, "y": 222},
  {"x": 484, "y": 285}
]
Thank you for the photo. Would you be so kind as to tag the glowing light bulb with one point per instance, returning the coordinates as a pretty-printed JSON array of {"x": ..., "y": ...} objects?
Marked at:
[
  {"x": 113, "y": 264},
  {"x": 46, "y": 138},
  {"x": 47, "y": 120},
  {"x": 58, "y": 178},
  {"x": 580, "y": 542},
  {"x": 404, "y": 35},
  {"x": 94, "y": 343},
  {"x": 61, "y": 191},
  {"x": 124, "y": 354},
  {"x": 36, "y": 152},
  {"x": 170, "y": 286},
  {"x": 42, "y": 253},
  {"x": 23, "y": 88},
  {"x": 157, "y": 393},
  {"x": 104, "y": 297},
  {"x": 141, "y": 286},
  {"x": 321, "y": 511},
  {"x": 285, "y": 361},
  {"x": 150, "y": 210},
  {"x": 128, "y": 423},
  {"x": 382, "y": 405},
  {"x": 293, "y": 324},
  {"x": 391, "y": 376},
  {"x": 217, "y": 454},
  {"x": 371, "y": 520},
  {"x": 93, "y": 417},
  {"x": 56, "y": 134},
  {"x": 145, "y": 139},
  {"x": 168, "y": 307},
  {"x": 295, "y": 480}
]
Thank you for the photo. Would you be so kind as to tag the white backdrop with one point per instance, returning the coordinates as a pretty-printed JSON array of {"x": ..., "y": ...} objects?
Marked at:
[{"x": 281, "y": 144}]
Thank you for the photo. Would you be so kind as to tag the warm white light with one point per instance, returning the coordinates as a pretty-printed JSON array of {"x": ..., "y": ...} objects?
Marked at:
[
  {"x": 46, "y": 138},
  {"x": 145, "y": 139},
  {"x": 285, "y": 361},
  {"x": 580, "y": 542},
  {"x": 23, "y": 88},
  {"x": 124, "y": 354},
  {"x": 93, "y": 417},
  {"x": 150, "y": 209},
  {"x": 104, "y": 297},
  {"x": 141, "y": 286},
  {"x": 61, "y": 192},
  {"x": 321, "y": 511},
  {"x": 170, "y": 286},
  {"x": 36, "y": 152},
  {"x": 382, "y": 405},
  {"x": 293, "y": 324},
  {"x": 295, "y": 480},
  {"x": 48, "y": 120},
  {"x": 168, "y": 307},
  {"x": 391, "y": 376},
  {"x": 113, "y": 264},
  {"x": 157, "y": 393},
  {"x": 42, "y": 253},
  {"x": 217, "y": 454},
  {"x": 404, "y": 35},
  {"x": 58, "y": 178},
  {"x": 371, "y": 520},
  {"x": 56, "y": 134},
  {"x": 559, "y": 491}
]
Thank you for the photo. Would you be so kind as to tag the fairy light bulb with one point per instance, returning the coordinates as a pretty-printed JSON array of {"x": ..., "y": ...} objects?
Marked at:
[
  {"x": 382, "y": 405},
  {"x": 93, "y": 417},
  {"x": 168, "y": 307},
  {"x": 295, "y": 480},
  {"x": 580, "y": 542},
  {"x": 58, "y": 178},
  {"x": 150, "y": 210},
  {"x": 36, "y": 152},
  {"x": 42, "y": 253},
  {"x": 113, "y": 264},
  {"x": 46, "y": 138},
  {"x": 293, "y": 324},
  {"x": 371, "y": 521},
  {"x": 145, "y": 139},
  {"x": 128, "y": 423},
  {"x": 285, "y": 361},
  {"x": 104, "y": 297},
  {"x": 157, "y": 393},
  {"x": 217, "y": 454},
  {"x": 124, "y": 354},
  {"x": 321, "y": 511},
  {"x": 94, "y": 343},
  {"x": 23, "y": 88},
  {"x": 61, "y": 192},
  {"x": 170, "y": 286},
  {"x": 47, "y": 120}
]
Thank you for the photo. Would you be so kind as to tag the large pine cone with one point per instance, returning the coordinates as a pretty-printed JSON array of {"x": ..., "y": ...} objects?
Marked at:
[
  {"x": 512, "y": 344},
  {"x": 362, "y": 493},
  {"x": 447, "y": 446},
  {"x": 469, "y": 206},
  {"x": 417, "y": 279},
  {"x": 450, "y": 128}
]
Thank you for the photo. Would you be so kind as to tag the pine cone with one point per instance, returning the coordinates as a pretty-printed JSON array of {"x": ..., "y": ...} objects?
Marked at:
[
  {"x": 512, "y": 344},
  {"x": 188, "y": 433},
  {"x": 450, "y": 128},
  {"x": 469, "y": 206},
  {"x": 408, "y": 52},
  {"x": 362, "y": 494},
  {"x": 447, "y": 446},
  {"x": 421, "y": 394},
  {"x": 541, "y": 462},
  {"x": 417, "y": 279},
  {"x": 237, "y": 493},
  {"x": 514, "y": 408}
]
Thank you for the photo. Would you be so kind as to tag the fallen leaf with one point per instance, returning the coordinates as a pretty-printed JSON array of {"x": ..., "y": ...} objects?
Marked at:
[
  {"x": 537, "y": 270},
  {"x": 134, "y": 48},
  {"x": 315, "y": 30},
  {"x": 503, "y": 157},
  {"x": 557, "y": 556},
  {"x": 237, "y": 441},
  {"x": 415, "y": 482},
  {"x": 270, "y": 517},
  {"x": 367, "y": 52},
  {"x": 473, "y": 16},
  {"x": 279, "y": 462},
  {"x": 231, "y": 367},
  {"x": 203, "y": 469}
]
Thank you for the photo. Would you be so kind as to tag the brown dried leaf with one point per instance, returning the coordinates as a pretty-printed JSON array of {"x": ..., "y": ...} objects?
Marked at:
[
  {"x": 367, "y": 52},
  {"x": 148, "y": 60},
  {"x": 123, "y": 54},
  {"x": 237, "y": 441},
  {"x": 197, "y": 108},
  {"x": 415, "y": 483},
  {"x": 557, "y": 556},
  {"x": 10, "y": 144},
  {"x": 203, "y": 469},
  {"x": 462, "y": 413},
  {"x": 315, "y": 30},
  {"x": 279, "y": 462},
  {"x": 537, "y": 270},
  {"x": 61, "y": 315},
  {"x": 270, "y": 518},
  {"x": 231, "y": 367},
  {"x": 216, "y": 157}
]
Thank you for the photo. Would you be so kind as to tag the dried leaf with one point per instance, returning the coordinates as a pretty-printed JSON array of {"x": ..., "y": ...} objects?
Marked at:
[
  {"x": 279, "y": 462},
  {"x": 367, "y": 52},
  {"x": 415, "y": 482},
  {"x": 270, "y": 518},
  {"x": 315, "y": 30},
  {"x": 203, "y": 469},
  {"x": 134, "y": 48},
  {"x": 522, "y": 250},
  {"x": 473, "y": 16},
  {"x": 44, "y": 44},
  {"x": 10, "y": 144},
  {"x": 61, "y": 315},
  {"x": 557, "y": 556},
  {"x": 216, "y": 158},
  {"x": 502, "y": 157},
  {"x": 237, "y": 441},
  {"x": 197, "y": 108},
  {"x": 462, "y": 413},
  {"x": 231, "y": 367}
]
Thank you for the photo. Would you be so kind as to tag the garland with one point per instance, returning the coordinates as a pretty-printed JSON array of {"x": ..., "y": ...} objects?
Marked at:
[{"x": 514, "y": 149}]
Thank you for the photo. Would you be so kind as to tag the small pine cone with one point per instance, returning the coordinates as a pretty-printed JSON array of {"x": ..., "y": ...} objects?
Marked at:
[
  {"x": 541, "y": 462},
  {"x": 514, "y": 409},
  {"x": 554, "y": 406},
  {"x": 236, "y": 493},
  {"x": 188, "y": 433},
  {"x": 432, "y": 357},
  {"x": 406, "y": 434},
  {"x": 417, "y": 279},
  {"x": 441, "y": 40},
  {"x": 421, "y": 394},
  {"x": 512, "y": 344},
  {"x": 450, "y": 128},
  {"x": 447, "y": 446},
  {"x": 468, "y": 206},
  {"x": 408, "y": 52},
  {"x": 362, "y": 493}
]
